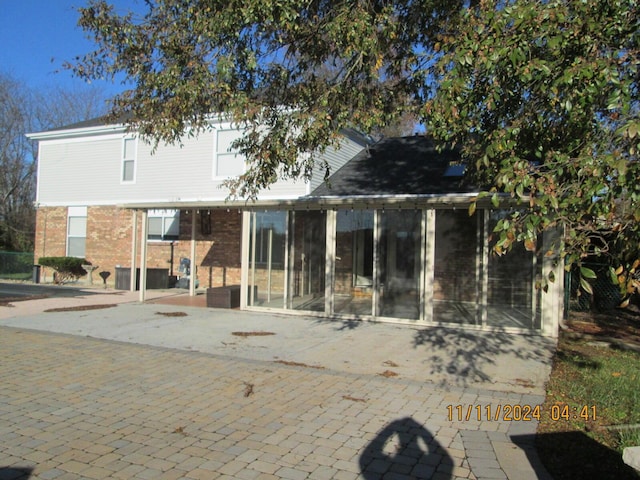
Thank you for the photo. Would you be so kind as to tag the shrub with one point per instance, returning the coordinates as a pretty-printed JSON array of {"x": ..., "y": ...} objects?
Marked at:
[{"x": 66, "y": 268}]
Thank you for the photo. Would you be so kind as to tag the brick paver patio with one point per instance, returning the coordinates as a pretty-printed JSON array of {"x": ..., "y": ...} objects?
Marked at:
[{"x": 82, "y": 408}]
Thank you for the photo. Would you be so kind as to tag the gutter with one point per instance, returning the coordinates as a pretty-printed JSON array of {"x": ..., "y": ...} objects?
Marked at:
[{"x": 323, "y": 202}]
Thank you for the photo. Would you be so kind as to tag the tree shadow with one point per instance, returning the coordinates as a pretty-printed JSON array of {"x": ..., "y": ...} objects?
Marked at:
[
  {"x": 341, "y": 324},
  {"x": 574, "y": 455},
  {"x": 467, "y": 356},
  {"x": 15, "y": 473},
  {"x": 406, "y": 448},
  {"x": 578, "y": 359},
  {"x": 17, "y": 292}
]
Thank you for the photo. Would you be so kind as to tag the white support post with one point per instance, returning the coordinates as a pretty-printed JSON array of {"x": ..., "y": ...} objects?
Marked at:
[
  {"x": 253, "y": 234},
  {"x": 482, "y": 265},
  {"x": 553, "y": 299},
  {"x": 143, "y": 258},
  {"x": 193, "y": 273},
  {"x": 375, "y": 297},
  {"x": 288, "y": 258},
  {"x": 244, "y": 272},
  {"x": 134, "y": 249},
  {"x": 429, "y": 258},
  {"x": 330, "y": 263}
]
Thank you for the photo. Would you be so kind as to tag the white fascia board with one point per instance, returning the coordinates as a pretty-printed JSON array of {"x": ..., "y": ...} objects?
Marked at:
[{"x": 77, "y": 132}]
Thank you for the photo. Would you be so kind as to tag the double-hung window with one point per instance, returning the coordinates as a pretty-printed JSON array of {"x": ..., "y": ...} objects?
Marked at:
[
  {"x": 76, "y": 231},
  {"x": 129, "y": 160},
  {"x": 164, "y": 225},
  {"x": 227, "y": 162}
]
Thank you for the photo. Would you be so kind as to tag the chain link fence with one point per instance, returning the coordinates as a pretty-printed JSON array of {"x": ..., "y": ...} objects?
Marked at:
[
  {"x": 16, "y": 265},
  {"x": 606, "y": 295}
]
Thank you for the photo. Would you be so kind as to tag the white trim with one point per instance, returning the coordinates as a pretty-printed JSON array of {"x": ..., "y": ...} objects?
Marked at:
[
  {"x": 429, "y": 263},
  {"x": 68, "y": 134},
  {"x": 287, "y": 239},
  {"x": 375, "y": 297},
  {"x": 484, "y": 270},
  {"x": 143, "y": 257},
  {"x": 244, "y": 265},
  {"x": 330, "y": 261},
  {"x": 92, "y": 139},
  {"x": 134, "y": 250}
]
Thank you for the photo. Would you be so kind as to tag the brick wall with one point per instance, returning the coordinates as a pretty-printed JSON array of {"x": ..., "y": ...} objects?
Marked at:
[
  {"x": 109, "y": 243},
  {"x": 51, "y": 236}
]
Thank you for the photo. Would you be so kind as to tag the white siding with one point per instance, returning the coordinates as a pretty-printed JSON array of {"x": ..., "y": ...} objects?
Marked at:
[
  {"x": 88, "y": 171},
  {"x": 335, "y": 158},
  {"x": 79, "y": 172}
]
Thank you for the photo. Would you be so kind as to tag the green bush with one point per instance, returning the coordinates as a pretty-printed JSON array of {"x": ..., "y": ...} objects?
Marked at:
[{"x": 66, "y": 268}]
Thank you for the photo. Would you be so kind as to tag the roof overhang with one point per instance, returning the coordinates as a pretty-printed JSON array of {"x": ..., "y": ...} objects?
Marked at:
[
  {"x": 322, "y": 202},
  {"x": 77, "y": 132}
]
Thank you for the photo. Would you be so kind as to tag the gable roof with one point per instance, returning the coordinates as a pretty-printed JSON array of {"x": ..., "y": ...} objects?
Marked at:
[{"x": 398, "y": 166}]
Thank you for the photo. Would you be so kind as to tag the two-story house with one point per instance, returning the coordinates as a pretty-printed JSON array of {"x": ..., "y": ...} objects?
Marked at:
[{"x": 389, "y": 237}]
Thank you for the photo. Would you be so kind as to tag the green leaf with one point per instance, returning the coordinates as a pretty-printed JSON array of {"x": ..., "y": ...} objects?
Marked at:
[
  {"x": 586, "y": 272},
  {"x": 586, "y": 286}
]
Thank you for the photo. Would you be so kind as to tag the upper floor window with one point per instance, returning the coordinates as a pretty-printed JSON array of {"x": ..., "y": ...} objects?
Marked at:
[
  {"x": 227, "y": 162},
  {"x": 76, "y": 231},
  {"x": 129, "y": 160},
  {"x": 163, "y": 225}
]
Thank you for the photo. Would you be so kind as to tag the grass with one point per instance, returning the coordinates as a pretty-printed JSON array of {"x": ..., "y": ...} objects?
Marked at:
[
  {"x": 607, "y": 382},
  {"x": 16, "y": 276}
]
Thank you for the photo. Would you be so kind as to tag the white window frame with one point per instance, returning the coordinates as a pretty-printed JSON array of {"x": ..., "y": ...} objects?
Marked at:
[
  {"x": 227, "y": 153},
  {"x": 129, "y": 157},
  {"x": 170, "y": 221},
  {"x": 78, "y": 230}
]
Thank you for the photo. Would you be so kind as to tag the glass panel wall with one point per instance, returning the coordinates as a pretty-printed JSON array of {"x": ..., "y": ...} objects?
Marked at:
[
  {"x": 379, "y": 265},
  {"x": 400, "y": 263},
  {"x": 267, "y": 242},
  {"x": 353, "y": 279},
  {"x": 307, "y": 248},
  {"x": 456, "y": 267},
  {"x": 511, "y": 294}
]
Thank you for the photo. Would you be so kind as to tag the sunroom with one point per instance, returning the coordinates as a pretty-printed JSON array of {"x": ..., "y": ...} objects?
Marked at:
[{"x": 390, "y": 238}]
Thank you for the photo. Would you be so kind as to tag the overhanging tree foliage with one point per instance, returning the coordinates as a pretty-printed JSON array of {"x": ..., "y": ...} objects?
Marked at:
[
  {"x": 542, "y": 96},
  {"x": 543, "y": 99}
]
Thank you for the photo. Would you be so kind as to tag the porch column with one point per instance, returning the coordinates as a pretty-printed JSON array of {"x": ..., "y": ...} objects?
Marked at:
[
  {"x": 192, "y": 276},
  {"x": 134, "y": 250},
  {"x": 429, "y": 261},
  {"x": 143, "y": 258},
  {"x": 482, "y": 266},
  {"x": 244, "y": 272},
  {"x": 553, "y": 298},
  {"x": 375, "y": 298},
  {"x": 330, "y": 263}
]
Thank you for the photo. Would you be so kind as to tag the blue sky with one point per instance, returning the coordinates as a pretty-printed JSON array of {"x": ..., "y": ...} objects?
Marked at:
[{"x": 38, "y": 36}]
